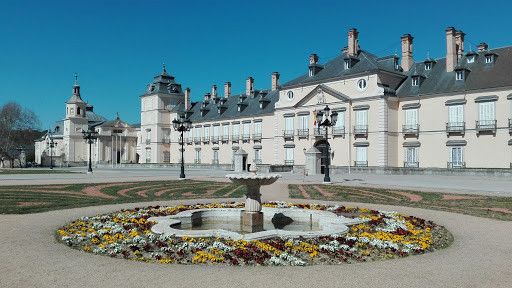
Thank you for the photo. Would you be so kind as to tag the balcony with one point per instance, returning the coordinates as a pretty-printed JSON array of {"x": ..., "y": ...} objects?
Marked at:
[
  {"x": 456, "y": 128},
  {"x": 361, "y": 131},
  {"x": 338, "y": 131},
  {"x": 510, "y": 126},
  {"x": 256, "y": 137},
  {"x": 225, "y": 138},
  {"x": 246, "y": 137},
  {"x": 411, "y": 164},
  {"x": 189, "y": 140},
  {"x": 456, "y": 165},
  {"x": 257, "y": 161},
  {"x": 289, "y": 162},
  {"x": 288, "y": 134},
  {"x": 486, "y": 126},
  {"x": 197, "y": 140},
  {"x": 411, "y": 130},
  {"x": 235, "y": 138},
  {"x": 166, "y": 141},
  {"x": 148, "y": 141},
  {"x": 206, "y": 139},
  {"x": 215, "y": 162},
  {"x": 197, "y": 161},
  {"x": 319, "y": 132},
  {"x": 361, "y": 163},
  {"x": 303, "y": 133},
  {"x": 215, "y": 139}
]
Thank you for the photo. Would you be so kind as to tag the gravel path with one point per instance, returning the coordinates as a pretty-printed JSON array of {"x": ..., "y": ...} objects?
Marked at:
[{"x": 481, "y": 256}]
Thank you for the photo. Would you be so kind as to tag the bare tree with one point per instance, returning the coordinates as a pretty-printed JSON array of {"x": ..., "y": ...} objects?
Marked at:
[{"x": 17, "y": 126}]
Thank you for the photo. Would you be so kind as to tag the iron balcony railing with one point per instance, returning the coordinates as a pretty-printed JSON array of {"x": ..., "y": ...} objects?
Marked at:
[
  {"x": 288, "y": 133},
  {"x": 225, "y": 138},
  {"x": 319, "y": 132},
  {"x": 411, "y": 129},
  {"x": 246, "y": 137},
  {"x": 361, "y": 163},
  {"x": 189, "y": 140},
  {"x": 456, "y": 127},
  {"x": 289, "y": 162},
  {"x": 206, "y": 139},
  {"x": 303, "y": 133},
  {"x": 408, "y": 164},
  {"x": 235, "y": 138},
  {"x": 257, "y": 161},
  {"x": 256, "y": 137},
  {"x": 148, "y": 141},
  {"x": 197, "y": 140},
  {"x": 197, "y": 161},
  {"x": 215, "y": 139},
  {"x": 510, "y": 126},
  {"x": 166, "y": 140},
  {"x": 338, "y": 131},
  {"x": 361, "y": 131},
  {"x": 454, "y": 165},
  {"x": 486, "y": 126}
]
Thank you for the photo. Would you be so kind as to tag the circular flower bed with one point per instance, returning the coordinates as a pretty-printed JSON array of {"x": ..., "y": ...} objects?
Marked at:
[{"x": 127, "y": 234}]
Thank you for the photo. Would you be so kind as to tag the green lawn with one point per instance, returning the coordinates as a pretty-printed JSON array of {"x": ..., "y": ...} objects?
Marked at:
[
  {"x": 40, "y": 198},
  {"x": 482, "y": 206}
]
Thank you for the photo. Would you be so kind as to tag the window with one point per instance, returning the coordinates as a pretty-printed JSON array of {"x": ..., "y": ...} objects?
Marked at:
[
  {"x": 196, "y": 134},
  {"x": 225, "y": 132},
  {"x": 395, "y": 63},
  {"x": 148, "y": 136},
  {"x": 303, "y": 122},
  {"x": 236, "y": 129},
  {"x": 215, "y": 156},
  {"x": 411, "y": 157},
  {"x": 339, "y": 127},
  {"x": 148, "y": 155},
  {"x": 489, "y": 58},
  {"x": 428, "y": 66},
  {"x": 456, "y": 114},
  {"x": 361, "y": 156},
  {"x": 347, "y": 64},
  {"x": 411, "y": 117},
  {"x": 456, "y": 159},
  {"x": 257, "y": 156},
  {"x": 206, "y": 132},
  {"x": 257, "y": 130},
  {"x": 167, "y": 157},
  {"x": 361, "y": 84},
  {"x": 197, "y": 157},
  {"x": 362, "y": 118},
  {"x": 78, "y": 110},
  {"x": 415, "y": 81},
  {"x": 289, "y": 94},
  {"x": 288, "y": 126},
  {"x": 246, "y": 131},
  {"x": 216, "y": 132},
  {"x": 289, "y": 157},
  {"x": 459, "y": 75},
  {"x": 471, "y": 59},
  {"x": 487, "y": 111}
]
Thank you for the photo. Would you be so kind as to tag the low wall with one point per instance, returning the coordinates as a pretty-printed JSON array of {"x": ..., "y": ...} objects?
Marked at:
[{"x": 337, "y": 170}]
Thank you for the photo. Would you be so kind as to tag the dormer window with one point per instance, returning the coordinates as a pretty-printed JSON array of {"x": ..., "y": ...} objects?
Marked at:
[
  {"x": 428, "y": 66},
  {"x": 459, "y": 75},
  {"x": 471, "y": 59},
  {"x": 395, "y": 64},
  {"x": 347, "y": 64},
  {"x": 415, "y": 81},
  {"x": 489, "y": 58}
]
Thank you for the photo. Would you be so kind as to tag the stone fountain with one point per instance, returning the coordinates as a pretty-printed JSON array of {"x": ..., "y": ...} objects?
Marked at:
[{"x": 252, "y": 217}]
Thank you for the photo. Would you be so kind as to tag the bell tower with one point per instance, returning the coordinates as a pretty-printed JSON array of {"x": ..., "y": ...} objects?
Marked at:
[{"x": 74, "y": 123}]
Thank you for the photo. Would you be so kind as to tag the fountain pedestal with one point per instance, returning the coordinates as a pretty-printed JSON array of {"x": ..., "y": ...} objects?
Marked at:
[{"x": 252, "y": 217}]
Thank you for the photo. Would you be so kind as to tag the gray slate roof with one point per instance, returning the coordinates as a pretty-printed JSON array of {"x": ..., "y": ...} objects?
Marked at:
[
  {"x": 335, "y": 68},
  {"x": 479, "y": 75},
  {"x": 250, "y": 104},
  {"x": 163, "y": 84}
]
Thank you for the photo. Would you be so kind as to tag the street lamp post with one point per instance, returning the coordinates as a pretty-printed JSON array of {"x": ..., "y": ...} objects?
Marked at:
[
  {"x": 90, "y": 135},
  {"x": 326, "y": 119},
  {"x": 182, "y": 124},
  {"x": 51, "y": 144}
]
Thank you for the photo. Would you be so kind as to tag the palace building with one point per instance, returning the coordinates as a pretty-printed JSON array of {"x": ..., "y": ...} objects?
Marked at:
[
  {"x": 393, "y": 112},
  {"x": 116, "y": 140}
]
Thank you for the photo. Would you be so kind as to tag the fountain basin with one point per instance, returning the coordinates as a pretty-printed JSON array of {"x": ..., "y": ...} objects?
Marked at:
[{"x": 227, "y": 223}]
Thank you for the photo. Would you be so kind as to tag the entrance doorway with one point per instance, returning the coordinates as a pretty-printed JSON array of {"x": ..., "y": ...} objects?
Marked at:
[
  {"x": 244, "y": 163},
  {"x": 118, "y": 157},
  {"x": 322, "y": 146}
]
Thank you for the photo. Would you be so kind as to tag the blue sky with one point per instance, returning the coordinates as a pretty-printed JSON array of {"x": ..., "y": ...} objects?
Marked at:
[{"x": 118, "y": 46}]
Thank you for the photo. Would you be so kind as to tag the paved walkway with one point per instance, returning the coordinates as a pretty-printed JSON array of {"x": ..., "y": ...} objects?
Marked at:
[{"x": 449, "y": 184}]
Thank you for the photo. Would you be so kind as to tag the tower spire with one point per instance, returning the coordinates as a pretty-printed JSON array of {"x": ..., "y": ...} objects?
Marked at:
[
  {"x": 164, "y": 70},
  {"x": 76, "y": 86}
]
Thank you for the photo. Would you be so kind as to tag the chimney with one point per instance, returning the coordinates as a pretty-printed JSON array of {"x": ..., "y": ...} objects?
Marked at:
[
  {"x": 407, "y": 60},
  {"x": 275, "y": 80},
  {"x": 187, "y": 99},
  {"x": 482, "y": 47},
  {"x": 207, "y": 96},
  {"x": 451, "y": 49},
  {"x": 313, "y": 59},
  {"x": 227, "y": 89},
  {"x": 459, "y": 44},
  {"x": 353, "y": 42},
  {"x": 214, "y": 91},
  {"x": 249, "y": 86}
]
